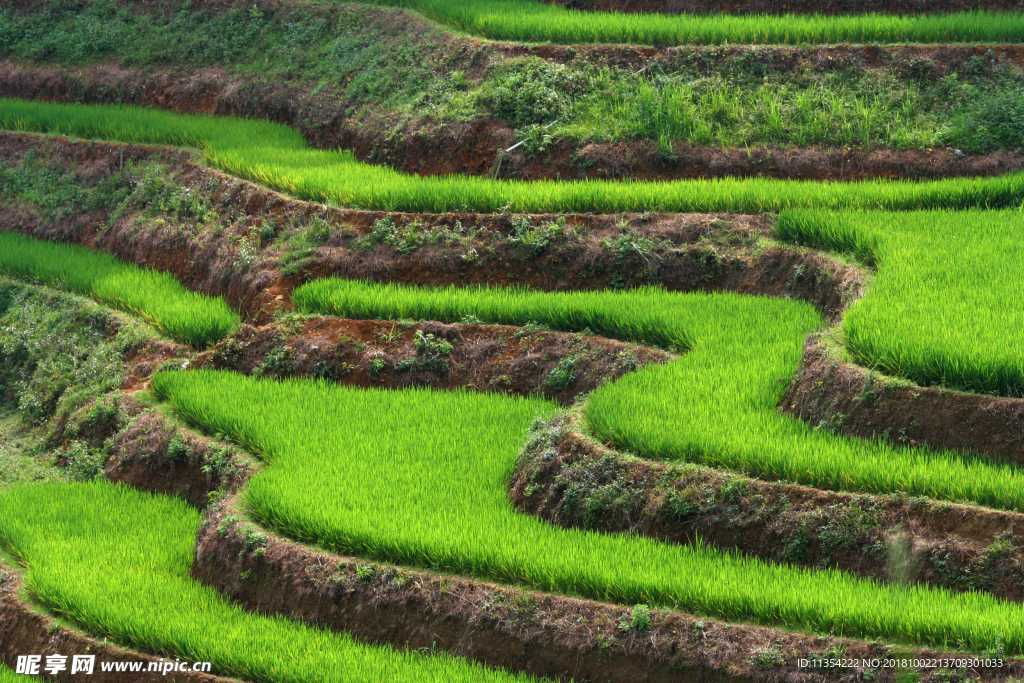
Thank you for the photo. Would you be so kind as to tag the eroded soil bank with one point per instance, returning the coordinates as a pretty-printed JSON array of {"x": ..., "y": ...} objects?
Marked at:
[
  {"x": 565, "y": 478},
  {"x": 474, "y": 147},
  {"x": 848, "y": 399},
  {"x": 388, "y": 355}
]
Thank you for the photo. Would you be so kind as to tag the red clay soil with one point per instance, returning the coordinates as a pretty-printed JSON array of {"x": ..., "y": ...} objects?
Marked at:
[
  {"x": 792, "y": 6},
  {"x": 959, "y": 547},
  {"x": 522, "y": 630},
  {"x": 852, "y": 400},
  {"x": 472, "y": 147},
  {"x": 23, "y": 631},
  {"x": 486, "y": 358}
]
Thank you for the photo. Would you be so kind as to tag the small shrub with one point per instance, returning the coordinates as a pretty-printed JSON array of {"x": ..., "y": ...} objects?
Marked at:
[
  {"x": 178, "y": 449},
  {"x": 637, "y": 620},
  {"x": 84, "y": 463},
  {"x": 768, "y": 658},
  {"x": 563, "y": 375}
]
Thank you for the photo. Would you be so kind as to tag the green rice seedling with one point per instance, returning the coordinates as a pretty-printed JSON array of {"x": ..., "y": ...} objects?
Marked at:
[
  {"x": 419, "y": 477},
  {"x": 155, "y": 297},
  {"x": 115, "y": 561},
  {"x": 528, "y": 20},
  {"x": 8, "y": 676},
  {"x": 717, "y": 403},
  {"x": 277, "y": 156},
  {"x": 946, "y": 307}
]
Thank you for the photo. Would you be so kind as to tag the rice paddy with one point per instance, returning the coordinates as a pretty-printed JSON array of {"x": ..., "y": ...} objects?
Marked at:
[
  {"x": 945, "y": 307},
  {"x": 419, "y": 477},
  {"x": 539, "y": 22},
  {"x": 714, "y": 405},
  {"x": 278, "y": 157},
  {"x": 154, "y": 296},
  {"x": 115, "y": 561},
  {"x": 8, "y": 676}
]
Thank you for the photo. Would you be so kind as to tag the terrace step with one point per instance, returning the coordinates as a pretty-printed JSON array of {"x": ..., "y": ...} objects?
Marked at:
[{"x": 26, "y": 631}]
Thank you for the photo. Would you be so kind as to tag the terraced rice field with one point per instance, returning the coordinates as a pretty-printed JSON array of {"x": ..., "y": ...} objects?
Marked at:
[
  {"x": 94, "y": 549},
  {"x": 531, "y": 21},
  {"x": 278, "y": 157},
  {"x": 155, "y": 297},
  {"x": 119, "y": 509},
  {"x": 420, "y": 481}
]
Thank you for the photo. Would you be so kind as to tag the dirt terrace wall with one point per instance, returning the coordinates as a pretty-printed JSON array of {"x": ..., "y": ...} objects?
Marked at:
[
  {"x": 473, "y": 147},
  {"x": 522, "y": 630},
  {"x": 710, "y": 252},
  {"x": 23, "y": 631},
  {"x": 853, "y": 400},
  {"x": 568, "y": 480},
  {"x": 385, "y": 355}
]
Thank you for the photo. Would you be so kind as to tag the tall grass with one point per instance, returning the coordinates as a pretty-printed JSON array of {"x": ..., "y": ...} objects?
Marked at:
[
  {"x": 419, "y": 477},
  {"x": 714, "y": 405},
  {"x": 116, "y": 562},
  {"x": 532, "y": 21},
  {"x": 277, "y": 156},
  {"x": 154, "y": 296},
  {"x": 947, "y": 306}
]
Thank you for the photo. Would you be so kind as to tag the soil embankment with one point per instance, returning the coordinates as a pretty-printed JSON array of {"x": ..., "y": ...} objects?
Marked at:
[
  {"x": 475, "y": 147},
  {"x": 853, "y": 400},
  {"x": 585, "y": 485}
]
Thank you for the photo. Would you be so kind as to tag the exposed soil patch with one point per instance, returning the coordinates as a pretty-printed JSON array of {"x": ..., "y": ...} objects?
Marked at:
[
  {"x": 849, "y": 399},
  {"x": 23, "y": 631},
  {"x": 386, "y": 355},
  {"x": 568, "y": 480},
  {"x": 473, "y": 147},
  {"x": 792, "y": 6},
  {"x": 522, "y": 630}
]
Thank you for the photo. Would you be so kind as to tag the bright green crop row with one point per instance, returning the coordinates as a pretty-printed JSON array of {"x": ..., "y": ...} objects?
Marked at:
[
  {"x": 419, "y": 477},
  {"x": 116, "y": 562},
  {"x": 154, "y": 296},
  {"x": 717, "y": 403},
  {"x": 8, "y": 676},
  {"x": 277, "y": 156},
  {"x": 531, "y": 21},
  {"x": 947, "y": 306}
]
